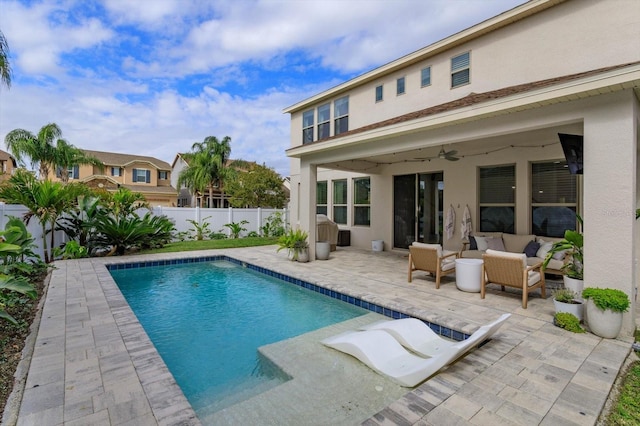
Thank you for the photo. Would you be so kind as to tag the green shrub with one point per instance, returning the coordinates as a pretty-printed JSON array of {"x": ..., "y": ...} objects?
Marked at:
[
  {"x": 568, "y": 321},
  {"x": 564, "y": 295},
  {"x": 607, "y": 298}
]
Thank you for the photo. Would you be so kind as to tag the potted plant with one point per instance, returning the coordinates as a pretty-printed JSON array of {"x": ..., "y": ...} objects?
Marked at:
[
  {"x": 572, "y": 247},
  {"x": 566, "y": 300},
  {"x": 295, "y": 241},
  {"x": 605, "y": 307}
]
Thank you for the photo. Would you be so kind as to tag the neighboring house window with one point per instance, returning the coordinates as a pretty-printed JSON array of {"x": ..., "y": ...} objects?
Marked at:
[
  {"x": 400, "y": 86},
  {"x": 379, "y": 93},
  {"x": 307, "y": 127},
  {"x": 362, "y": 201},
  {"x": 497, "y": 199},
  {"x": 553, "y": 199},
  {"x": 340, "y": 201},
  {"x": 163, "y": 175},
  {"x": 341, "y": 112},
  {"x": 142, "y": 175},
  {"x": 116, "y": 171},
  {"x": 460, "y": 70},
  {"x": 324, "y": 121},
  {"x": 425, "y": 77},
  {"x": 74, "y": 172},
  {"x": 321, "y": 197}
]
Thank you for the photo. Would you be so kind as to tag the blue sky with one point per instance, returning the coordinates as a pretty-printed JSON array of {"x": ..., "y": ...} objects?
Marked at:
[{"x": 151, "y": 77}]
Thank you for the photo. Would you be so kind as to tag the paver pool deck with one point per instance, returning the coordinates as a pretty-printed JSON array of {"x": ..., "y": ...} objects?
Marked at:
[{"x": 92, "y": 363}]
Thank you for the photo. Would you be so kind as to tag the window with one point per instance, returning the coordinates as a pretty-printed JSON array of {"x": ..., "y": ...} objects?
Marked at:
[
  {"x": 379, "y": 93},
  {"x": 163, "y": 175},
  {"x": 116, "y": 171},
  {"x": 425, "y": 77},
  {"x": 307, "y": 127},
  {"x": 341, "y": 112},
  {"x": 460, "y": 70},
  {"x": 321, "y": 197},
  {"x": 553, "y": 199},
  {"x": 74, "y": 172},
  {"x": 141, "y": 175},
  {"x": 324, "y": 118},
  {"x": 400, "y": 86},
  {"x": 340, "y": 201},
  {"x": 497, "y": 198},
  {"x": 362, "y": 201}
]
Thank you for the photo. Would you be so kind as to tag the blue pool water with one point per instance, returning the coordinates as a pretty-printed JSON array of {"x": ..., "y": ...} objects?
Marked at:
[{"x": 208, "y": 319}]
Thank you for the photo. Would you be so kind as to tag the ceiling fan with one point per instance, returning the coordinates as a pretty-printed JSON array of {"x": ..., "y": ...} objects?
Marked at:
[{"x": 444, "y": 155}]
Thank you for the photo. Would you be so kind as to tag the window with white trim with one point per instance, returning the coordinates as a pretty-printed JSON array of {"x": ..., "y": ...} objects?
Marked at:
[
  {"x": 400, "y": 86},
  {"x": 74, "y": 172},
  {"x": 341, "y": 112},
  {"x": 379, "y": 93},
  {"x": 460, "y": 70},
  {"x": 362, "y": 201},
  {"x": 324, "y": 121},
  {"x": 425, "y": 77},
  {"x": 321, "y": 197},
  {"x": 116, "y": 171},
  {"x": 307, "y": 127},
  {"x": 340, "y": 201},
  {"x": 142, "y": 175},
  {"x": 554, "y": 198},
  {"x": 163, "y": 175},
  {"x": 497, "y": 189}
]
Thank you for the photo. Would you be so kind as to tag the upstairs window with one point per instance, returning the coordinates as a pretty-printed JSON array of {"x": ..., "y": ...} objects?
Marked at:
[
  {"x": 321, "y": 197},
  {"x": 74, "y": 172},
  {"x": 341, "y": 111},
  {"x": 141, "y": 175},
  {"x": 497, "y": 198},
  {"x": 340, "y": 201},
  {"x": 425, "y": 77},
  {"x": 307, "y": 127},
  {"x": 324, "y": 121},
  {"x": 379, "y": 93},
  {"x": 460, "y": 66},
  {"x": 400, "y": 86},
  {"x": 163, "y": 174},
  {"x": 116, "y": 171}
]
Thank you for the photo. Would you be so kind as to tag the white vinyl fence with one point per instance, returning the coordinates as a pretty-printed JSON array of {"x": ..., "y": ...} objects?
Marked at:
[{"x": 216, "y": 218}]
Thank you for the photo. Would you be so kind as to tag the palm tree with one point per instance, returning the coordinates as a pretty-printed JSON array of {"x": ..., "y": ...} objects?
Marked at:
[
  {"x": 5, "y": 66},
  {"x": 67, "y": 156},
  {"x": 209, "y": 166},
  {"x": 39, "y": 148}
]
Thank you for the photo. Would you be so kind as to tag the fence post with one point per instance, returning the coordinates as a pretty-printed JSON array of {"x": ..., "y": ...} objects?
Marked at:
[
  {"x": 2, "y": 205},
  {"x": 259, "y": 225},
  {"x": 230, "y": 220},
  {"x": 197, "y": 218}
]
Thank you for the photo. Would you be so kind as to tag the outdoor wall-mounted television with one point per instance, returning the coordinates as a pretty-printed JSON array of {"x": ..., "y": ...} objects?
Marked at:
[{"x": 572, "y": 147}]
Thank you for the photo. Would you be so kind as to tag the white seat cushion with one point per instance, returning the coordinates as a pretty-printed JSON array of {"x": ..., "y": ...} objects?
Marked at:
[
  {"x": 438, "y": 247},
  {"x": 534, "y": 277},
  {"x": 446, "y": 266},
  {"x": 520, "y": 256}
]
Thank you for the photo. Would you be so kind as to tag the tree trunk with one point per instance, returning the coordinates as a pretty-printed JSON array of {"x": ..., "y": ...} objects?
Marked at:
[{"x": 44, "y": 242}]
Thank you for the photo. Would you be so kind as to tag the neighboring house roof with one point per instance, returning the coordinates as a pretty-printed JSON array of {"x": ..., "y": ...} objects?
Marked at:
[
  {"x": 123, "y": 160},
  {"x": 473, "y": 99},
  {"x": 5, "y": 156}
]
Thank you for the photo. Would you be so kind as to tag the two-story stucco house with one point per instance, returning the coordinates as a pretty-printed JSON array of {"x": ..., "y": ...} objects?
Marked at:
[
  {"x": 474, "y": 120},
  {"x": 147, "y": 175},
  {"x": 7, "y": 165}
]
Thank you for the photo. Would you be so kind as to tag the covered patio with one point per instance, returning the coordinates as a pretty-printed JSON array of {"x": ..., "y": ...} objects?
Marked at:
[{"x": 531, "y": 372}]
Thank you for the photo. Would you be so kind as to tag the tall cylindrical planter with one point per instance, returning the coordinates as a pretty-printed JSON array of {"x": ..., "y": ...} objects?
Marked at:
[
  {"x": 323, "y": 249},
  {"x": 605, "y": 323}
]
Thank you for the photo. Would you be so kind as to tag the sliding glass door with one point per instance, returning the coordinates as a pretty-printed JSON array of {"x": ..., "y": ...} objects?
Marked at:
[{"x": 417, "y": 208}]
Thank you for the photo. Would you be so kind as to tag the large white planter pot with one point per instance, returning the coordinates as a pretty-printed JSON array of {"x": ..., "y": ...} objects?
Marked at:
[
  {"x": 573, "y": 284},
  {"x": 323, "y": 249},
  {"x": 303, "y": 256},
  {"x": 572, "y": 308},
  {"x": 605, "y": 323}
]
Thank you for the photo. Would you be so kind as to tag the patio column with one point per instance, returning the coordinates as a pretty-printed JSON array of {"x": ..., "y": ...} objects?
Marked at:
[
  {"x": 610, "y": 162},
  {"x": 307, "y": 203}
]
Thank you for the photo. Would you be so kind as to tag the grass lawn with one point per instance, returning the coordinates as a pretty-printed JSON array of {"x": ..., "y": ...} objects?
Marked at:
[
  {"x": 213, "y": 244},
  {"x": 626, "y": 410}
]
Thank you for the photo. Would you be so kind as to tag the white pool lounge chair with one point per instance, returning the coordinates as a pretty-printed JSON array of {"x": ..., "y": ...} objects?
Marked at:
[
  {"x": 415, "y": 335},
  {"x": 379, "y": 350}
]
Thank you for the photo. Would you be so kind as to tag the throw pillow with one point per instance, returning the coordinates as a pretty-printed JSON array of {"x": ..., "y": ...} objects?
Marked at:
[
  {"x": 481, "y": 242},
  {"x": 559, "y": 255},
  {"x": 544, "y": 249},
  {"x": 472, "y": 243},
  {"x": 495, "y": 244},
  {"x": 531, "y": 249}
]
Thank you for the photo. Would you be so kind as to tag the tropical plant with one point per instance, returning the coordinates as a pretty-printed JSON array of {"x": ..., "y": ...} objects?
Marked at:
[
  {"x": 162, "y": 233},
  {"x": 568, "y": 321},
  {"x": 67, "y": 156},
  {"x": 117, "y": 234},
  {"x": 199, "y": 230},
  {"x": 294, "y": 240},
  {"x": 46, "y": 200},
  {"x": 274, "y": 225},
  {"x": 236, "y": 228},
  {"x": 5, "y": 66},
  {"x": 80, "y": 222},
  {"x": 572, "y": 245},
  {"x": 607, "y": 298},
  {"x": 565, "y": 295},
  {"x": 13, "y": 284},
  {"x": 124, "y": 202},
  {"x": 71, "y": 250}
]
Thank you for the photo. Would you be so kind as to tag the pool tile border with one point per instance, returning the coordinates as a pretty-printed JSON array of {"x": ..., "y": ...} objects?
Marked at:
[{"x": 370, "y": 306}]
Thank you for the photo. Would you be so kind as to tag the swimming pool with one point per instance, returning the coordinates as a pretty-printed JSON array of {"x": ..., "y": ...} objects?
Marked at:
[{"x": 207, "y": 320}]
